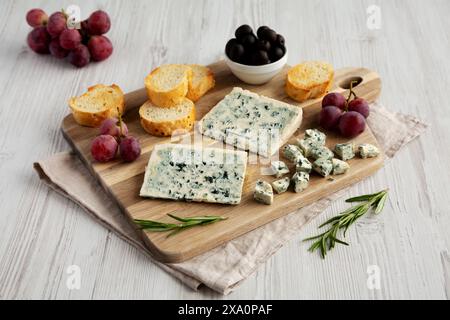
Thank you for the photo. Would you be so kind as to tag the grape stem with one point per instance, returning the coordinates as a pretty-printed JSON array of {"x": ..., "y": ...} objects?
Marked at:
[{"x": 351, "y": 93}]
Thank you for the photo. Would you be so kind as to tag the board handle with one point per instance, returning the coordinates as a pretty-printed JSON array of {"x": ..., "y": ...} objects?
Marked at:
[{"x": 367, "y": 86}]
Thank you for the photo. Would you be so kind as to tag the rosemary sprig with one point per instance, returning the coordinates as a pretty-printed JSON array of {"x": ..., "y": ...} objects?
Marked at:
[
  {"x": 327, "y": 240},
  {"x": 185, "y": 223}
]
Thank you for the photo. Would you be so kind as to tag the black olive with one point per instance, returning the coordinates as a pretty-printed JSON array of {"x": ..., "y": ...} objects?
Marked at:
[
  {"x": 280, "y": 40},
  {"x": 276, "y": 54},
  {"x": 263, "y": 45},
  {"x": 242, "y": 31},
  {"x": 229, "y": 45},
  {"x": 260, "y": 57},
  {"x": 269, "y": 35},
  {"x": 236, "y": 52},
  {"x": 249, "y": 41},
  {"x": 261, "y": 30}
]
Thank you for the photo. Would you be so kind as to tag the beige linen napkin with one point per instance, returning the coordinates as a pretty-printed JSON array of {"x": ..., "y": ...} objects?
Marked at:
[{"x": 224, "y": 267}]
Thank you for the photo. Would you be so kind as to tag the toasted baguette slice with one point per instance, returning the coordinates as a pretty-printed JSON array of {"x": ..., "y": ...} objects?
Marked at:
[
  {"x": 202, "y": 81},
  {"x": 164, "y": 121},
  {"x": 309, "y": 80},
  {"x": 168, "y": 84},
  {"x": 97, "y": 104}
]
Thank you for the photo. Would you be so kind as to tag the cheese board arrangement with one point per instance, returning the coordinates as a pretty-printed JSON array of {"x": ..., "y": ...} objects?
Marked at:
[{"x": 200, "y": 150}]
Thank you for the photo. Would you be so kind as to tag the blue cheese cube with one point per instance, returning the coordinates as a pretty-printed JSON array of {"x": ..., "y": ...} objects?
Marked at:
[
  {"x": 339, "y": 166},
  {"x": 263, "y": 192},
  {"x": 279, "y": 168},
  {"x": 281, "y": 185},
  {"x": 316, "y": 135},
  {"x": 321, "y": 152},
  {"x": 292, "y": 152},
  {"x": 303, "y": 165},
  {"x": 306, "y": 145},
  {"x": 323, "y": 166},
  {"x": 345, "y": 151},
  {"x": 367, "y": 150},
  {"x": 300, "y": 181}
]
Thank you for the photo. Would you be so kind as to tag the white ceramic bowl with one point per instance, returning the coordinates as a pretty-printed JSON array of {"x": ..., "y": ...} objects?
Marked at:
[{"x": 256, "y": 74}]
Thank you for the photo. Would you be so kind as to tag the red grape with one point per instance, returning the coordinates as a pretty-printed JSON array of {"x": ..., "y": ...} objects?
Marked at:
[
  {"x": 56, "y": 50},
  {"x": 111, "y": 126},
  {"x": 100, "y": 48},
  {"x": 329, "y": 117},
  {"x": 104, "y": 148},
  {"x": 38, "y": 40},
  {"x": 130, "y": 149},
  {"x": 79, "y": 56},
  {"x": 359, "y": 105},
  {"x": 351, "y": 124},
  {"x": 36, "y": 18},
  {"x": 99, "y": 23},
  {"x": 57, "y": 22},
  {"x": 70, "y": 39},
  {"x": 334, "y": 99}
]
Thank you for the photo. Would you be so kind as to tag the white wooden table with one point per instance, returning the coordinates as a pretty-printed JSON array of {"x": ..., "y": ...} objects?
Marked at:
[{"x": 42, "y": 234}]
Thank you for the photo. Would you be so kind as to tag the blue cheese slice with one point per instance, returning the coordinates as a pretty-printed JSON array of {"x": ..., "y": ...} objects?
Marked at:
[
  {"x": 301, "y": 181},
  {"x": 193, "y": 173},
  {"x": 345, "y": 151},
  {"x": 281, "y": 185},
  {"x": 323, "y": 166},
  {"x": 367, "y": 150},
  {"x": 251, "y": 122},
  {"x": 279, "y": 168},
  {"x": 321, "y": 152},
  {"x": 263, "y": 192},
  {"x": 339, "y": 166}
]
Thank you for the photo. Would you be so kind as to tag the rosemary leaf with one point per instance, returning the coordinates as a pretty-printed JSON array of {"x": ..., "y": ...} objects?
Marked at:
[
  {"x": 365, "y": 197},
  {"x": 380, "y": 204}
]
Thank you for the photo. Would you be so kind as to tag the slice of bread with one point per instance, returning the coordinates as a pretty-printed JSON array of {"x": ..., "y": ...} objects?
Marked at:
[
  {"x": 308, "y": 80},
  {"x": 202, "y": 81},
  {"x": 97, "y": 104},
  {"x": 168, "y": 84},
  {"x": 164, "y": 121}
]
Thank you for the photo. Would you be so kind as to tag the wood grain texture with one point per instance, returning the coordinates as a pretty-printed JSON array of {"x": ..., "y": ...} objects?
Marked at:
[
  {"x": 122, "y": 181},
  {"x": 42, "y": 234}
]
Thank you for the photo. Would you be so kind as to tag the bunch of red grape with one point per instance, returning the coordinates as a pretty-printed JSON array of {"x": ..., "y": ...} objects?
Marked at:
[
  {"x": 52, "y": 35},
  {"x": 113, "y": 138},
  {"x": 345, "y": 115}
]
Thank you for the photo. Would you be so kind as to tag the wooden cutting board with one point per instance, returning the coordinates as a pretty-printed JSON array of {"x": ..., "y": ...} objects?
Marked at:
[{"x": 123, "y": 180}]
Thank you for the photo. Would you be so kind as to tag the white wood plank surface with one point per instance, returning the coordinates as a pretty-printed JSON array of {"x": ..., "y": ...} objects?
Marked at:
[{"x": 41, "y": 234}]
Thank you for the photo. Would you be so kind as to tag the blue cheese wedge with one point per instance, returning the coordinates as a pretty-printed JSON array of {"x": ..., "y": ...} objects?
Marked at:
[
  {"x": 367, "y": 150},
  {"x": 281, "y": 185},
  {"x": 251, "y": 122},
  {"x": 292, "y": 152},
  {"x": 303, "y": 165},
  {"x": 306, "y": 145},
  {"x": 345, "y": 151},
  {"x": 316, "y": 135},
  {"x": 339, "y": 166},
  {"x": 321, "y": 152},
  {"x": 323, "y": 166},
  {"x": 279, "y": 168},
  {"x": 300, "y": 181},
  {"x": 193, "y": 173},
  {"x": 263, "y": 192}
]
